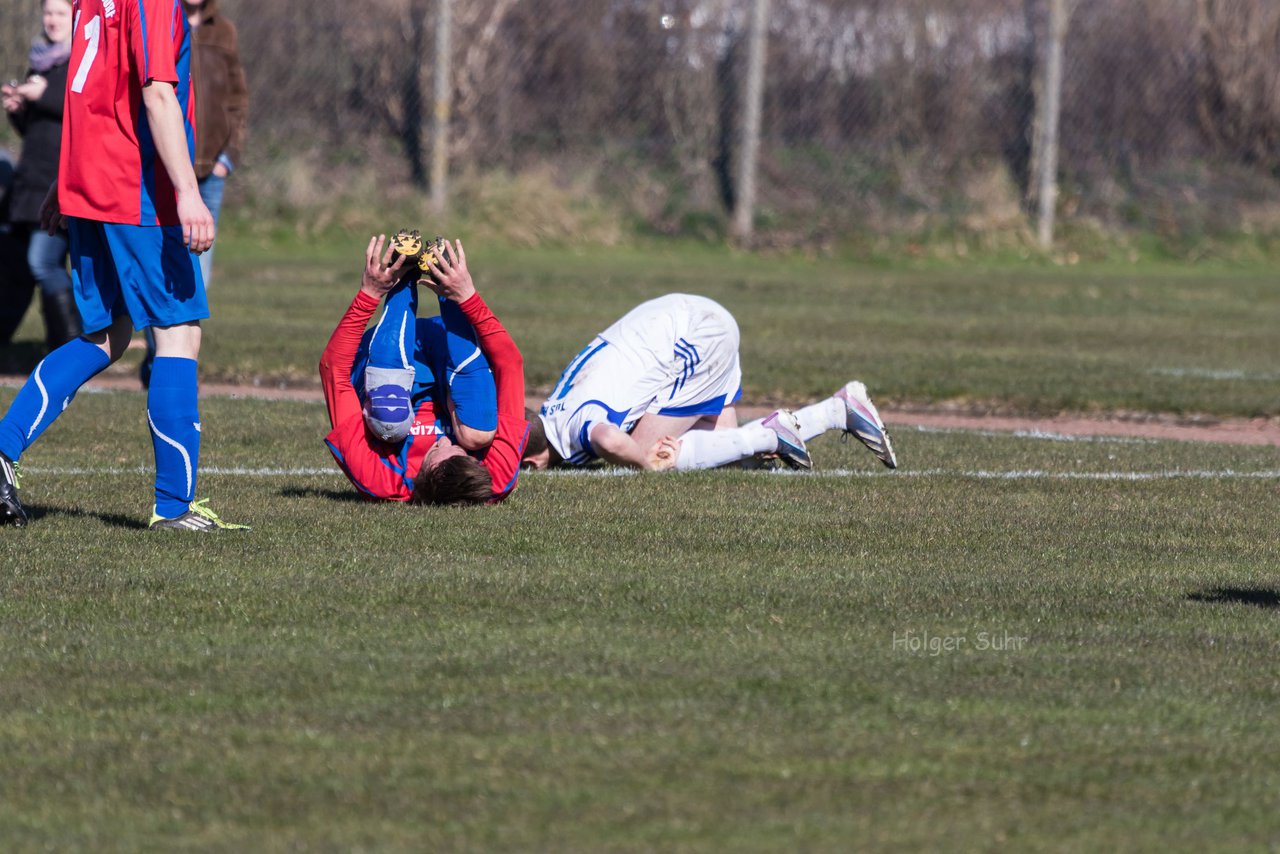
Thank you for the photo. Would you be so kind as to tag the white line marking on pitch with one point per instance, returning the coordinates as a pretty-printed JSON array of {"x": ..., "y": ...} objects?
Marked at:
[
  {"x": 981, "y": 474},
  {"x": 215, "y": 470},
  {"x": 609, "y": 471},
  {"x": 1039, "y": 474},
  {"x": 1214, "y": 374},
  {"x": 1037, "y": 434}
]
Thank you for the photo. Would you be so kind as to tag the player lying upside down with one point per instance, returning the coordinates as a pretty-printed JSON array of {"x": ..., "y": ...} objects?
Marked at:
[
  {"x": 656, "y": 390},
  {"x": 398, "y": 393}
]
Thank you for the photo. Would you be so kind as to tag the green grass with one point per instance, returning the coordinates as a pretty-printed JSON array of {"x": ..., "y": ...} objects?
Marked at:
[
  {"x": 693, "y": 662},
  {"x": 1030, "y": 338},
  {"x": 1035, "y": 340},
  {"x": 700, "y": 662}
]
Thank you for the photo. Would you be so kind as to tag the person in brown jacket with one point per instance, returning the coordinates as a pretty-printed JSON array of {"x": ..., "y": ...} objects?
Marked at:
[
  {"x": 222, "y": 108},
  {"x": 222, "y": 102}
]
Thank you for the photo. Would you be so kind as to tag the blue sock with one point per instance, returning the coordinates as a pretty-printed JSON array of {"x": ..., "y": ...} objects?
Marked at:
[
  {"x": 48, "y": 391},
  {"x": 173, "y": 411}
]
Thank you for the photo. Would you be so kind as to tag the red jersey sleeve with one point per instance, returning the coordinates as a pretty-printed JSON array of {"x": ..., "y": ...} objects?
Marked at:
[
  {"x": 503, "y": 457},
  {"x": 340, "y": 355},
  {"x": 156, "y": 37}
]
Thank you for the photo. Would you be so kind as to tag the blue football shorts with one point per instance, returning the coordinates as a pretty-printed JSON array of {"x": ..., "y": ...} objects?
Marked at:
[{"x": 143, "y": 271}]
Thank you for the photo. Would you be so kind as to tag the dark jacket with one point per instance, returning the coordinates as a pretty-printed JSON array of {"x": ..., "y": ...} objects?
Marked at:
[
  {"x": 40, "y": 125},
  {"x": 222, "y": 96}
]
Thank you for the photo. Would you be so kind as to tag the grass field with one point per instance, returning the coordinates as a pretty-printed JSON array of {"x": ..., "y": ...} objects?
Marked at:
[
  {"x": 1035, "y": 339},
  {"x": 1012, "y": 643}
]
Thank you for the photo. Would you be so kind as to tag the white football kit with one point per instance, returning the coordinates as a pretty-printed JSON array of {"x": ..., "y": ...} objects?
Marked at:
[{"x": 674, "y": 355}]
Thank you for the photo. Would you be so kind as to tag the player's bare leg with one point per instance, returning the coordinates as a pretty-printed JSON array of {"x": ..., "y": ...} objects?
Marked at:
[
  {"x": 114, "y": 339},
  {"x": 181, "y": 341},
  {"x": 651, "y": 427},
  {"x": 726, "y": 420}
]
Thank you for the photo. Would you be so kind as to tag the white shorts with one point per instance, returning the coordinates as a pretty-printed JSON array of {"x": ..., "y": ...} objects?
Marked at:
[{"x": 702, "y": 372}]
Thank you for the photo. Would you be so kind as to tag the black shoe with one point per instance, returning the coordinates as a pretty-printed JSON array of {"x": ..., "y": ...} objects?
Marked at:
[{"x": 11, "y": 510}]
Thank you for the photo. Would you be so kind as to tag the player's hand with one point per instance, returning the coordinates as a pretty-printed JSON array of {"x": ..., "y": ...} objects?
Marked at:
[
  {"x": 452, "y": 279},
  {"x": 51, "y": 218},
  {"x": 197, "y": 222},
  {"x": 380, "y": 274},
  {"x": 662, "y": 456}
]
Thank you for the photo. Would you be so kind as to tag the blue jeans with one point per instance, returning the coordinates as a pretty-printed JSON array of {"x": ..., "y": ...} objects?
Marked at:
[
  {"x": 211, "y": 187},
  {"x": 47, "y": 258}
]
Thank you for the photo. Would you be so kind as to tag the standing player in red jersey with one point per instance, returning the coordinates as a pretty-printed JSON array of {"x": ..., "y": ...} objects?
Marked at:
[
  {"x": 128, "y": 196},
  {"x": 427, "y": 467}
]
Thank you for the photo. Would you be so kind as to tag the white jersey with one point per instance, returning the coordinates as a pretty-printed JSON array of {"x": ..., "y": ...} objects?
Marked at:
[{"x": 674, "y": 355}]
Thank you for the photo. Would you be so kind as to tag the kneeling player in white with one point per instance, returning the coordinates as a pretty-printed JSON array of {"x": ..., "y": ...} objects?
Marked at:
[{"x": 656, "y": 390}]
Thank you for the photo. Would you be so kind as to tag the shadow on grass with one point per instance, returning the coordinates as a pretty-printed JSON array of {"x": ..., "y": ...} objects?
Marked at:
[
  {"x": 35, "y": 513},
  {"x": 329, "y": 494},
  {"x": 1258, "y": 597}
]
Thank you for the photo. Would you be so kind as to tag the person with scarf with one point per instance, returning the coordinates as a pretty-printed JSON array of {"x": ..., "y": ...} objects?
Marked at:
[{"x": 35, "y": 106}]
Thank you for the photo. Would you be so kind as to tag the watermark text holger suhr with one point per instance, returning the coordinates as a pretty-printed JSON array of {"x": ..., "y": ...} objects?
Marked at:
[{"x": 927, "y": 643}]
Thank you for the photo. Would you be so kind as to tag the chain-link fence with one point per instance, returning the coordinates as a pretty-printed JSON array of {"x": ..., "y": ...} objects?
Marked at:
[{"x": 877, "y": 114}]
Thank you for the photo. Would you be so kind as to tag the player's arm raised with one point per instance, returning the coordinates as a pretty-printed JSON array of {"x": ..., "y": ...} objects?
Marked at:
[
  {"x": 452, "y": 280},
  {"x": 164, "y": 116},
  {"x": 380, "y": 275}
]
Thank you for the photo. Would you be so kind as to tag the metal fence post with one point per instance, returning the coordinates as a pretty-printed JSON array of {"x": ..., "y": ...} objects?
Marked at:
[
  {"x": 1050, "y": 109},
  {"x": 744, "y": 211},
  {"x": 442, "y": 107}
]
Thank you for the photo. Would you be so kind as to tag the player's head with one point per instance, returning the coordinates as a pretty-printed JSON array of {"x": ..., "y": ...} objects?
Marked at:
[
  {"x": 449, "y": 476},
  {"x": 537, "y": 450}
]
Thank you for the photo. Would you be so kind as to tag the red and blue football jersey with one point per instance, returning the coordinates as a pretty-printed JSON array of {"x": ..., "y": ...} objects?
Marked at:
[
  {"x": 109, "y": 169},
  {"x": 382, "y": 471}
]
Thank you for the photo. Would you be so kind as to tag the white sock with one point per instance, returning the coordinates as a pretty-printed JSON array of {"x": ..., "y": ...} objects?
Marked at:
[
  {"x": 707, "y": 449},
  {"x": 817, "y": 418}
]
